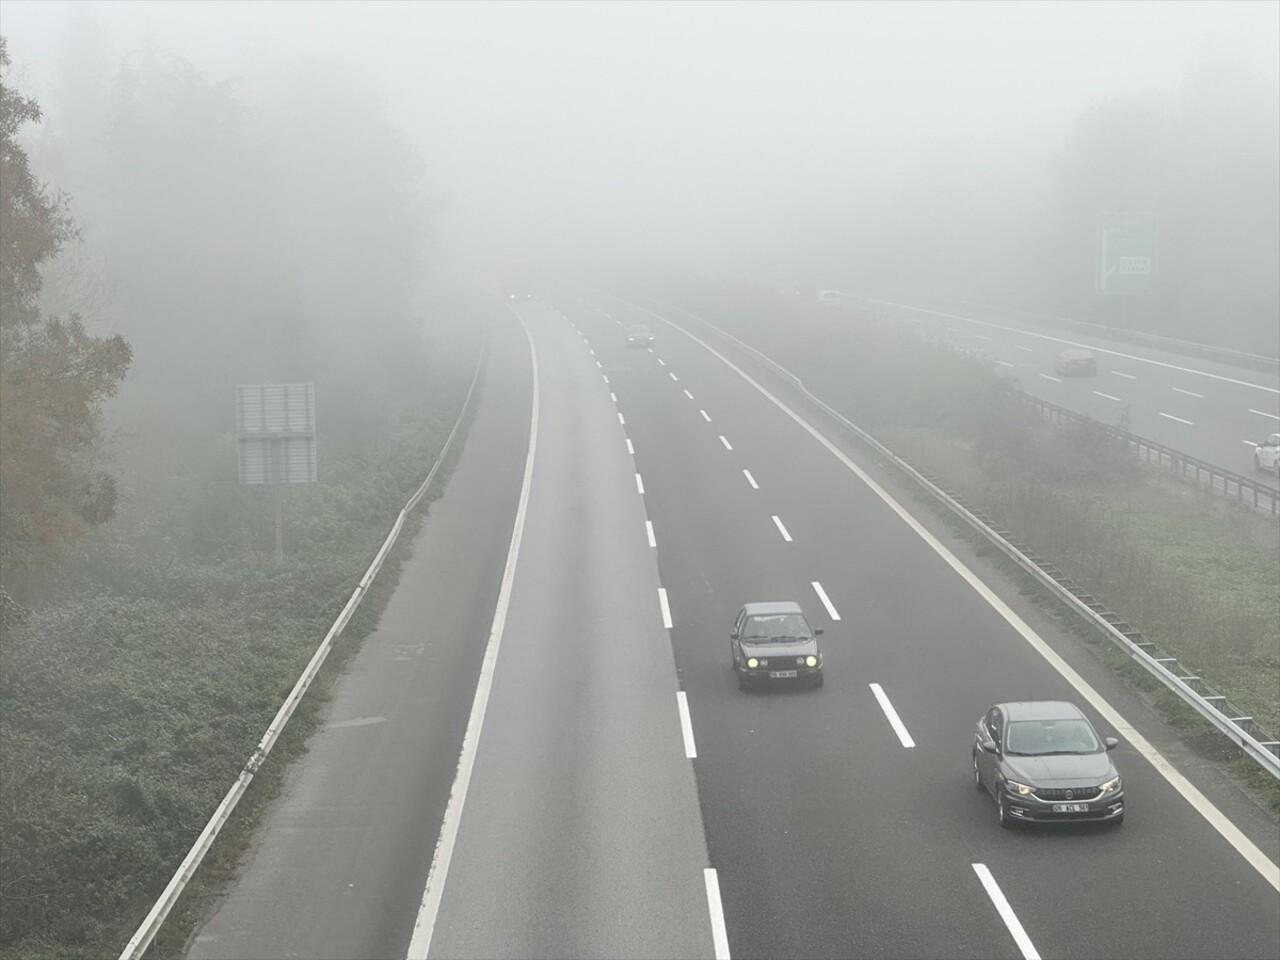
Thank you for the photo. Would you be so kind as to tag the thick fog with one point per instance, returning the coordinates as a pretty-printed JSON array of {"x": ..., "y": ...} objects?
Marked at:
[{"x": 958, "y": 149}]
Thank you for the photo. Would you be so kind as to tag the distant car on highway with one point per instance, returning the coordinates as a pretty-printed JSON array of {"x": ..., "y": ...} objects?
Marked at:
[
  {"x": 1266, "y": 455},
  {"x": 1044, "y": 763},
  {"x": 1076, "y": 362},
  {"x": 639, "y": 335},
  {"x": 773, "y": 642}
]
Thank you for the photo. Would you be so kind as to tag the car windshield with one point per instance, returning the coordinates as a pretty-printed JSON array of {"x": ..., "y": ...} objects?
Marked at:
[
  {"x": 1038, "y": 738},
  {"x": 781, "y": 626}
]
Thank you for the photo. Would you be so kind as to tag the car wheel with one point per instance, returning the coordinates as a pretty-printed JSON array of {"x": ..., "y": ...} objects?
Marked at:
[
  {"x": 817, "y": 682},
  {"x": 1002, "y": 813},
  {"x": 1118, "y": 820},
  {"x": 742, "y": 682},
  {"x": 977, "y": 776}
]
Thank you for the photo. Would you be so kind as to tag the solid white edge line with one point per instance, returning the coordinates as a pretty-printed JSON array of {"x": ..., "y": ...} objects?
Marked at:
[
  {"x": 725, "y": 441},
  {"x": 1199, "y": 802},
  {"x": 425, "y": 923},
  {"x": 894, "y": 720},
  {"x": 666, "y": 607},
  {"x": 777, "y": 522},
  {"x": 639, "y": 485},
  {"x": 826, "y": 601},
  {"x": 686, "y": 725},
  {"x": 1010, "y": 919},
  {"x": 750, "y": 479},
  {"x": 719, "y": 936},
  {"x": 648, "y": 529}
]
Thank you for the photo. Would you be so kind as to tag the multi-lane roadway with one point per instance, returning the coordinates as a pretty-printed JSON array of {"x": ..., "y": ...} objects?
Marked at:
[
  {"x": 1209, "y": 409},
  {"x": 542, "y": 751}
]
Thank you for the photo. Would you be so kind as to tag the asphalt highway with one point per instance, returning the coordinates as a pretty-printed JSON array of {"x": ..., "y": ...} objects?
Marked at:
[
  {"x": 1209, "y": 409},
  {"x": 568, "y": 605}
]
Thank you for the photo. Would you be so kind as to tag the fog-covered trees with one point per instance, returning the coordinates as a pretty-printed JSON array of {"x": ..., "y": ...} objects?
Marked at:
[{"x": 54, "y": 374}]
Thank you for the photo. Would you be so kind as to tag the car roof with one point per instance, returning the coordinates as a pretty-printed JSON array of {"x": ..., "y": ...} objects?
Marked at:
[
  {"x": 1041, "y": 710},
  {"x": 770, "y": 608},
  {"x": 638, "y": 326}
]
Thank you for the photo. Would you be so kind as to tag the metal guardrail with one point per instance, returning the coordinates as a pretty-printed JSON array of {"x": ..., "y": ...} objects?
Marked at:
[
  {"x": 1192, "y": 689},
  {"x": 1250, "y": 492},
  {"x": 141, "y": 940}
]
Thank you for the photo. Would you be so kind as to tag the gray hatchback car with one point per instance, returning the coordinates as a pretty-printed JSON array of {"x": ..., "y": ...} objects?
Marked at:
[{"x": 773, "y": 642}]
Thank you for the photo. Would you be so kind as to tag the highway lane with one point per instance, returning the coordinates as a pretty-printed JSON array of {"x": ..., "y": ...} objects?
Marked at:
[
  {"x": 581, "y": 833},
  {"x": 338, "y": 866},
  {"x": 831, "y": 838},
  {"x": 1211, "y": 410}
]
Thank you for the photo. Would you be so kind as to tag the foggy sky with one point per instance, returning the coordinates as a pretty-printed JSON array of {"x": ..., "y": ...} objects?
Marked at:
[{"x": 724, "y": 132}]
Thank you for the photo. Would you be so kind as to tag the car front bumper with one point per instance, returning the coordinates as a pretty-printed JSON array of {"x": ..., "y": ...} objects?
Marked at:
[
  {"x": 1035, "y": 810},
  {"x": 797, "y": 673}
]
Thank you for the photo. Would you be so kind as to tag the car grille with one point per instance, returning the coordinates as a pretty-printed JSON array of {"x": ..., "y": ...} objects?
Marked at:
[{"x": 1060, "y": 794}]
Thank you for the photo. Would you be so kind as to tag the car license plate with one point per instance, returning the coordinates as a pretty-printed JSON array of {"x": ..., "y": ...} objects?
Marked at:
[
  {"x": 1070, "y": 808},
  {"x": 783, "y": 674}
]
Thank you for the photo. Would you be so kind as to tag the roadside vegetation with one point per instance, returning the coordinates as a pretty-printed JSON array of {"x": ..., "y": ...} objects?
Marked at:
[
  {"x": 148, "y": 634},
  {"x": 1194, "y": 574}
]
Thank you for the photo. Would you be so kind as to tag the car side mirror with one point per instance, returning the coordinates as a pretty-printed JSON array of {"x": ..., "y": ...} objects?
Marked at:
[
  {"x": 988, "y": 746},
  {"x": 733, "y": 635},
  {"x": 817, "y": 632},
  {"x": 1111, "y": 742}
]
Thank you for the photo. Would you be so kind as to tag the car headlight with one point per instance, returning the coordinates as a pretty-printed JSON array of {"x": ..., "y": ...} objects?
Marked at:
[
  {"x": 811, "y": 661},
  {"x": 752, "y": 662},
  {"x": 1021, "y": 789},
  {"x": 1111, "y": 786}
]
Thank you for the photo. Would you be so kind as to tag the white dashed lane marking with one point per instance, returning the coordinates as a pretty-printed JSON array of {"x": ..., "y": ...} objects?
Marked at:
[
  {"x": 727, "y": 444},
  {"x": 826, "y": 601},
  {"x": 751, "y": 480},
  {"x": 781, "y": 529}
]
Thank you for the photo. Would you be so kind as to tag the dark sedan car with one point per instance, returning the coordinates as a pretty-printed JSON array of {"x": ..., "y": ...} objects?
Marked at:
[
  {"x": 1076, "y": 362},
  {"x": 774, "y": 642},
  {"x": 1044, "y": 763}
]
